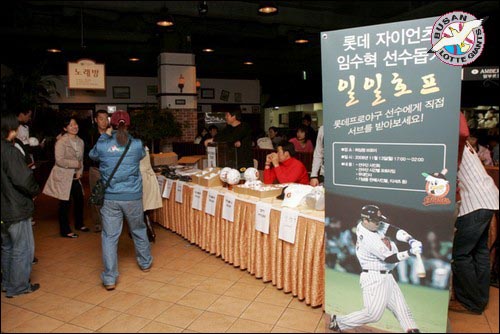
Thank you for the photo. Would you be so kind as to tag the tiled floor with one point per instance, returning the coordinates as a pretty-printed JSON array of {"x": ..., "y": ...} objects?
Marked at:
[{"x": 187, "y": 290}]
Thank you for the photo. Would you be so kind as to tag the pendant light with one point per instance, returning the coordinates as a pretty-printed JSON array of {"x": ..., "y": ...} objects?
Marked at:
[{"x": 165, "y": 19}]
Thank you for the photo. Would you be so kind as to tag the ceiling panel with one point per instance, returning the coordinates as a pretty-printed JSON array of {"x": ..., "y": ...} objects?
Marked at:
[{"x": 112, "y": 31}]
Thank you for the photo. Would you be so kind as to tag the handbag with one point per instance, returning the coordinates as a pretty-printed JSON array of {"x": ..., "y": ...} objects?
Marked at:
[
  {"x": 99, "y": 189},
  {"x": 150, "y": 229}
]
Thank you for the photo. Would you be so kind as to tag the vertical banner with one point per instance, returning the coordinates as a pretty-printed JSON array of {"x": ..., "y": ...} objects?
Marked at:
[{"x": 391, "y": 113}]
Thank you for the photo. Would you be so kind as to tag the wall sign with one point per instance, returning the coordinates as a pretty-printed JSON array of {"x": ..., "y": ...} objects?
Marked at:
[{"x": 86, "y": 74}]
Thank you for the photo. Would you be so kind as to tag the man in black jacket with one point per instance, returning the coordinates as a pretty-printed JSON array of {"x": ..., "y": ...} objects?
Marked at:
[
  {"x": 238, "y": 135},
  {"x": 18, "y": 189}
]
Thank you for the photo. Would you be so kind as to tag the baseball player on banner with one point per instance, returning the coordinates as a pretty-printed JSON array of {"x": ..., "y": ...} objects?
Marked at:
[{"x": 378, "y": 256}]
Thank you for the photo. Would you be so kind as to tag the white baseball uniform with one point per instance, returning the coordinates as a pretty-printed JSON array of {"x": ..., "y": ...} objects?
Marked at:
[{"x": 380, "y": 289}]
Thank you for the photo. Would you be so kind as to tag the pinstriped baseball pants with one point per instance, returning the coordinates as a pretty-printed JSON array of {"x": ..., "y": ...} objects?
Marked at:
[{"x": 379, "y": 291}]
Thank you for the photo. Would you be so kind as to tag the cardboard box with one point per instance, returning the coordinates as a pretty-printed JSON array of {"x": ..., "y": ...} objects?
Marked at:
[
  {"x": 266, "y": 193},
  {"x": 257, "y": 193},
  {"x": 212, "y": 182},
  {"x": 240, "y": 190},
  {"x": 162, "y": 159},
  {"x": 197, "y": 161},
  {"x": 195, "y": 179}
]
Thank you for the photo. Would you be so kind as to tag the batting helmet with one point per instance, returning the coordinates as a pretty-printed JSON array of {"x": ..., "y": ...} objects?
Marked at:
[{"x": 372, "y": 212}]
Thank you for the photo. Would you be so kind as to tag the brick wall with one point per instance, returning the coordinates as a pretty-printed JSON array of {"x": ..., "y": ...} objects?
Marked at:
[{"x": 188, "y": 119}]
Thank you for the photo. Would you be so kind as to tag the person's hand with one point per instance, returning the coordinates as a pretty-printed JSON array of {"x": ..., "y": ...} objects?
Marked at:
[
  {"x": 78, "y": 175},
  {"x": 208, "y": 141},
  {"x": 416, "y": 248},
  {"x": 314, "y": 182},
  {"x": 274, "y": 159},
  {"x": 269, "y": 158},
  {"x": 414, "y": 243},
  {"x": 237, "y": 144}
]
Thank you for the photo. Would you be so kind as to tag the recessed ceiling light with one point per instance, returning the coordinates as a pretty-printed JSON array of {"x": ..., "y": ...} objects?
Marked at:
[
  {"x": 301, "y": 40},
  {"x": 134, "y": 59},
  {"x": 248, "y": 62},
  {"x": 165, "y": 23},
  {"x": 54, "y": 50},
  {"x": 208, "y": 50},
  {"x": 268, "y": 8}
]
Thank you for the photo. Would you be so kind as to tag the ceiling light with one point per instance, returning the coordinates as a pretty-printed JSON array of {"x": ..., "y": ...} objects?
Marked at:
[
  {"x": 301, "y": 37},
  {"x": 134, "y": 59},
  {"x": 248, "y": 62},
  {"x": 207, "y": 50},
  {"x": 268, "y": 8},
  {"x": 203, "y": 8},
  {"x": 54, "y": 50},
  {"x": 165, "y": 19}
]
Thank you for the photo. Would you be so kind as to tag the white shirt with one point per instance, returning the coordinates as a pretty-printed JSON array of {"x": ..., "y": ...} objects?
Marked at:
[
  {"x": 477, "y": 188},
  {"x": 371, "y": 249},
  {"x": 318, "y": 155}
]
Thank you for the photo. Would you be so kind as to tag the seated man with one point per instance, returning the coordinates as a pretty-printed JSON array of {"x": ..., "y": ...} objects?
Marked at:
[{"x": 285, "y": 168}]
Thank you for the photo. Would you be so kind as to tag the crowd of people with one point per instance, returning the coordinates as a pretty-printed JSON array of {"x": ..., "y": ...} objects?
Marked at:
[
  {"x": 130, "y": 195},
  {"x": 122, "y": 159}
]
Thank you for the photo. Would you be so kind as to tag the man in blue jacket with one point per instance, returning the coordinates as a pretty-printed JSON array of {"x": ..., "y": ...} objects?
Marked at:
[
  {"x": 18, "y": 189},
  {"x": 123, "y": 196}
]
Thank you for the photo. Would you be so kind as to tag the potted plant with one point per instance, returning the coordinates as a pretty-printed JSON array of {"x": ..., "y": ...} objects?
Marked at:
[
  {"x": 27, "y": 88},
  {"x": 152, "y": 124}
]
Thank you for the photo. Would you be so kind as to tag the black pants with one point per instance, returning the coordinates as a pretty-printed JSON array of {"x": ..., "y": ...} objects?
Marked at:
[
  {"x": 76, "y": 195},
  {"x": 471, "y": 260}
]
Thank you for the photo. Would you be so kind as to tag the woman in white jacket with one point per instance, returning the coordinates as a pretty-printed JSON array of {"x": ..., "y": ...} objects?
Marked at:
[
  {"x": 64, "y": 179},
  {"x": 151, "y": 196}
]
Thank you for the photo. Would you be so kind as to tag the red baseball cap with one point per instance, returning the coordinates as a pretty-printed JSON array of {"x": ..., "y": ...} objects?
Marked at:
[{"x": 120, "y": 116}]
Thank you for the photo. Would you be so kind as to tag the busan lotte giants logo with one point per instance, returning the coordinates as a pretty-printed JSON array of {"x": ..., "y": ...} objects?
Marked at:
[{"x": 457, "y": 38}]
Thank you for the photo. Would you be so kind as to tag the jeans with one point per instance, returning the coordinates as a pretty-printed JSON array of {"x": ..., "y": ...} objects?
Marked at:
[
  {"x": 471, "y": 261},
  {"x": 18, "y": 249},
  {"x": 112, "y": 213}
]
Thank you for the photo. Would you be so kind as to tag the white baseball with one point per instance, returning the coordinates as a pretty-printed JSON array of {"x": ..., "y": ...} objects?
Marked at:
[
  {"x": 233, "y": 176},
  {"x": 223, "y": 174},
  {"x": 251, "y": 174}
]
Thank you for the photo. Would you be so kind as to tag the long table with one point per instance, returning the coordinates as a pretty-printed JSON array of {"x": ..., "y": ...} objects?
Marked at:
[{"x": 296, "y": 268}]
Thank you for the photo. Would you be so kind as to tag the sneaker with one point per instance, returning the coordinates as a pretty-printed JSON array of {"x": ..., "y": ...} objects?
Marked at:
[
  {"x": 334, "y": 326},
  {"x": 110, "y": 287},
  {"x": 147, "y": 269},
  {"x": 32, "y": 288}
]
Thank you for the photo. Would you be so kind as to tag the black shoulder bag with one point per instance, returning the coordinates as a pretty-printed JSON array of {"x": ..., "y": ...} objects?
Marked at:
[{"x": 97, "y": 195}]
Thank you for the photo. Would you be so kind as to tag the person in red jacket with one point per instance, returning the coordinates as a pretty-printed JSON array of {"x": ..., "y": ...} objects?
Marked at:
[{"x": 282, "y": 166}]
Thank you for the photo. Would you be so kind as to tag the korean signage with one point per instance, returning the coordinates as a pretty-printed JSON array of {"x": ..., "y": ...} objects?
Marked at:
[
  {"x": 86, "y": 74},
  {"x": 480, "y": 73},
  {"x": 391, "y": 113}
]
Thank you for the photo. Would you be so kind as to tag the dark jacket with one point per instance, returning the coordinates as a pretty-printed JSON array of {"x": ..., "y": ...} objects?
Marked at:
[
  {"x": 242, "y": 133},
  {"x": 25, "y": 150},
  {"x": 18, "y": 185}
]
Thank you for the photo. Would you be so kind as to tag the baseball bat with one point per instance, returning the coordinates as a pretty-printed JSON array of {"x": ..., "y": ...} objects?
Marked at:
[{"x": 420, "y": 266}]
